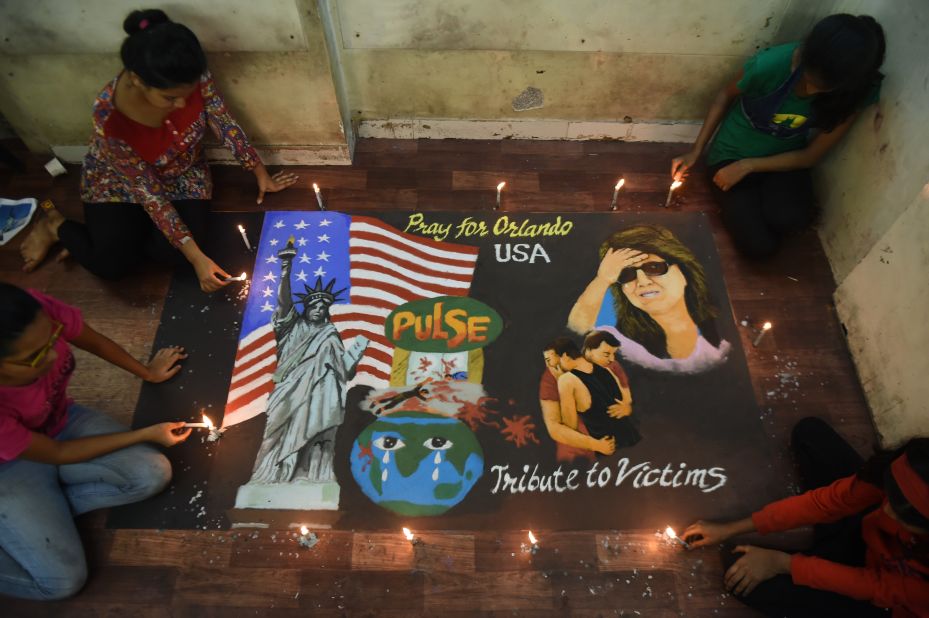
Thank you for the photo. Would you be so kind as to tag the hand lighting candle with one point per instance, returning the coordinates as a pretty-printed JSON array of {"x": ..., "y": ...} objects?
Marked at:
[
  {"x": 674, "y": 185},
  {"x": 671, "y": 534}
]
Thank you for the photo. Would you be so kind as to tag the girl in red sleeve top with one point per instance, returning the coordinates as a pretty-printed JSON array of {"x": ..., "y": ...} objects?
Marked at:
[
  {"x": 870, "y": 552},
  {"x": 145, "y": 183}
]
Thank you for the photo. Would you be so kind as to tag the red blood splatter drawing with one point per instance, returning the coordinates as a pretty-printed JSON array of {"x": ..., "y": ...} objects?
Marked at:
[
  {"x": 519, "y": 430},
  {"x": 475, "y": 414}
]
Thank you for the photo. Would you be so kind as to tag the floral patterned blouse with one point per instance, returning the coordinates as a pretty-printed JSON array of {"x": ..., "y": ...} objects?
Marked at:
[{"x": 133, "y": 163}]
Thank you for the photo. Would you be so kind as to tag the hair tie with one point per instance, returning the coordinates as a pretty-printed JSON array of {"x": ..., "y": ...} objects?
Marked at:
[{"x": 143, "y": 24}]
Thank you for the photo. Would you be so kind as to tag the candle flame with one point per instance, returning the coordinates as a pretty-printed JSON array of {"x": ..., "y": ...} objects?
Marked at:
[
  {"x": 501, "y": 185},
  {"x": 408, "y": 534},
  {"x": 316, "y": 187},
  {"x": 242, "y": 276},
  {"x": 676, "y": 184},
  {"x": 241, "y": 229},
  {"x": 670, "y": 532},
  {"x": 532, "y": 538},
  {"x": 304, "y": 530},
  {"x": 209, "y": 423},
  {"x": 766, "y": 326},
  {"x": 619, "y": 184}
]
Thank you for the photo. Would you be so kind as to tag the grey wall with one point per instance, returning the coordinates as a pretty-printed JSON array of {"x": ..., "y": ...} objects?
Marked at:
[{"x": 269, "y": 59}]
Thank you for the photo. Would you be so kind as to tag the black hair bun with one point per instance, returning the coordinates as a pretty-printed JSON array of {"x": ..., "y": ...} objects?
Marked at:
[{"x": 133, "y": 22}]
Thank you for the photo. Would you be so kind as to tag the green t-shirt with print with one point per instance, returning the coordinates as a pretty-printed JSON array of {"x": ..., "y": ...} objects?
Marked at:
[{"x": 763, "y": 73}]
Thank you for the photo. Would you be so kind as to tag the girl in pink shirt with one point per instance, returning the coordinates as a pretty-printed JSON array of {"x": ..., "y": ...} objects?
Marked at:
[{"x": 59, "y": 459}]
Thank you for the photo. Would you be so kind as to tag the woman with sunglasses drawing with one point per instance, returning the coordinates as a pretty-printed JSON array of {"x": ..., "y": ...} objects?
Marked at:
[
  {"x": 653, "y": 289},
  {"x": 59, "y": 459}
]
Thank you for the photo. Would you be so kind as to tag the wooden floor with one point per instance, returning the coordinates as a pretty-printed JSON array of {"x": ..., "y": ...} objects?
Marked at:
[{"x": 801, "y": 368}]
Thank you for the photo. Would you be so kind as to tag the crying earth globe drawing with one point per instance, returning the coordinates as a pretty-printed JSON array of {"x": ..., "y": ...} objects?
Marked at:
[{"x": 416, "y": 463}]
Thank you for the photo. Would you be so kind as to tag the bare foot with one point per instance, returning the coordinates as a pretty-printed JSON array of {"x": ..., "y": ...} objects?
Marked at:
[{"x": 43, "y": 236}]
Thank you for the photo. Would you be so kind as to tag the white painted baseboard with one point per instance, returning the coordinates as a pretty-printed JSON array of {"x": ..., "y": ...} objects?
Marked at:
[
  {"x": 448, "y": 129},
  {"x": 271, "y": 155},
  {"x": 529, "y": 129}
]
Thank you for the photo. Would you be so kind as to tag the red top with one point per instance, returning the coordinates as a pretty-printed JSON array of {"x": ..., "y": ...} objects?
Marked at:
[
  {"x": 890, "y": 578},
  {"x": 43, "y": 405},
  {"x": 133, "y": 163}
]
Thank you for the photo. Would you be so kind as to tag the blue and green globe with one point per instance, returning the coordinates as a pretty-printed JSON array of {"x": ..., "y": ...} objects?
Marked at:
[{"x": 416, "y": 463}]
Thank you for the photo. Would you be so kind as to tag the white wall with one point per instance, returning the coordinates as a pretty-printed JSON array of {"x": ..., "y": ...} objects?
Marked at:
[
  {"x": 875, "y": 224},
  {"x": 430, "y": 68},
  {"x": 269, "y": 59},
  {"x": 884, "y": 303}
]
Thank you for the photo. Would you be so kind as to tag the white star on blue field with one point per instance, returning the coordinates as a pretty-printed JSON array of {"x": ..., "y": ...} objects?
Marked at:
[{"x": 321, "y": 253}]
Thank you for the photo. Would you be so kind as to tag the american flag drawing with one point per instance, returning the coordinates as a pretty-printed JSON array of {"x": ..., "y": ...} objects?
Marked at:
[{"x": 381, "y": 267}]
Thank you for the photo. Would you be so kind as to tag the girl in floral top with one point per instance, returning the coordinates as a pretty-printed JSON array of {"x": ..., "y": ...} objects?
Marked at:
[{"x": 145, "y": 183}]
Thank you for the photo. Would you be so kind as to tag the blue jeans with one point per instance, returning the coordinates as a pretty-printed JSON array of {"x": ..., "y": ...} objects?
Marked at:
[{"x": 41, "y": 556}]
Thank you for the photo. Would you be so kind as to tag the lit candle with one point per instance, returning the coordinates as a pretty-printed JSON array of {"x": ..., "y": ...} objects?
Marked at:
[
  {"x": 215, "y": 433},
  {"x": 319, "y": 196},
  {"x": 411, "y": 537},
  {"x": 669, "y": 531},
  {"x": 499, "y": 189},
  {"x": 533, "y": 543},
  {"x": 764, "y": 328},
  {"x": 674, "y": 185},
  {"x": 239, "y": 278},
  {"x": 248, "y": 245},
  {"x": 307, "y": 539},
  {"x": 619, "y": 185},
  {"x": 206, "y": 424}
]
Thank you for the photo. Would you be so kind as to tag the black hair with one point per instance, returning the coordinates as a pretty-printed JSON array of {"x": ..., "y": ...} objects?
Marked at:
[
  {"x": 596, "y": 337},
  {"x": 844, "y": 52},
  {"x": 18, "y": 309},
  {"x": 638, "y": 325},
  {"x": 563, "y": 345},
  {"x": 163, "y": 53}
]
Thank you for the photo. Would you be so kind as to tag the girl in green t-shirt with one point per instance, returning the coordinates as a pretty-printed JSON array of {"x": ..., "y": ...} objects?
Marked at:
[{"x": 787, "y": 107}]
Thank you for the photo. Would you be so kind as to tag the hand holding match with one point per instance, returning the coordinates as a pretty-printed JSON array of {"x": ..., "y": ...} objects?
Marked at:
[{"x": 671, "y": 534}]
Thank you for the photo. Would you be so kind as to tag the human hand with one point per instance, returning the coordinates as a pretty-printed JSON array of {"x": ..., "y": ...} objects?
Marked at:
[
  {"x": 167, "y": 434},
  {"x": 165, "y": 364},
  {"x": 619, "y": 409},
  {"x": 729, "y": 176},
  {"x": 616, "y": 260},
  {"x": 703, "y": 533},
  {"x": 210, "y": 275},
  {"x": 755, "y": 566},
  {"x": 606, "y": 445},
  {"x": 272, "y": 184},
  {"x": 680, "y": 165}
]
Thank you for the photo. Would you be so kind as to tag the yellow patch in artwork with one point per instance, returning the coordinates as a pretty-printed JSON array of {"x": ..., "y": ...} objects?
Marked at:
[{"x": 794, "y": 121}]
